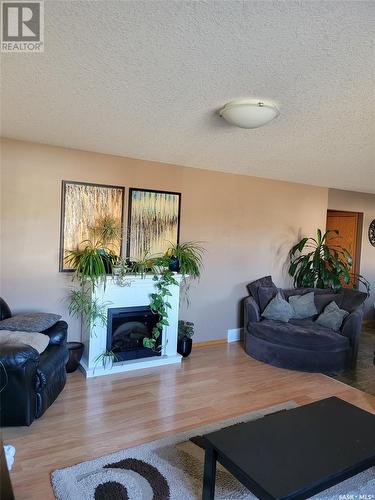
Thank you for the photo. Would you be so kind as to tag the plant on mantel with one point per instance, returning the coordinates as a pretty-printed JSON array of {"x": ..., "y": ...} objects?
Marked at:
[
  {"x": 91, "y": 271},
  {"x": 91, "y": 261}
]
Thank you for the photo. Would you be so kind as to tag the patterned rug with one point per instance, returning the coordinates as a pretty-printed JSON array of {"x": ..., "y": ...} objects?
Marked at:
[{"x": 172, "y": 469}]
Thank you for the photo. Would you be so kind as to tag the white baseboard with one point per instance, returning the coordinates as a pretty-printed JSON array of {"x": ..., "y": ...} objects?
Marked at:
[{"x": 234, "y": 334}]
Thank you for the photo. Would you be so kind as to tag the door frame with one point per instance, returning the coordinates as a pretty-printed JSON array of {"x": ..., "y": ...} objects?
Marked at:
[{"x": 359, "y": 215}]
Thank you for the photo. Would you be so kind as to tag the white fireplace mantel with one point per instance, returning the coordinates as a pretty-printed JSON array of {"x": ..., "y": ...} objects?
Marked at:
[{"x": 136, "y": 292}]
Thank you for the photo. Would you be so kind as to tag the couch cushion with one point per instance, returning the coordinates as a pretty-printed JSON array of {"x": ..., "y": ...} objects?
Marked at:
[
  {"x": 37, "y": 341},
  {"x": 288, "y": 292},
  {"x": 322, "y": 300},
  {"x": 278, "y": 309},
  {"x": 254, "y": 285},
  {"x": 352, "y": 299},
  {"x": 30, "y": 322},
  {"x": 303, "y": 305},
  {"x": 302, "y": 333},
  {"x": 265, "y": 295},
  {"x": 332, "y": 316}
]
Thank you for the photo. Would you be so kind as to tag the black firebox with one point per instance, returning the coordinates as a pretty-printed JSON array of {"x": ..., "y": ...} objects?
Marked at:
[{"x": 126, "y": 329}]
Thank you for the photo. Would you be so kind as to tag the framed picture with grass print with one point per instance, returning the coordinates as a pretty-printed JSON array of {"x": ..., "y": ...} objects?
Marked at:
[
  {"x": 153, "y": 222},
  {"x": 83, "y": 207}
]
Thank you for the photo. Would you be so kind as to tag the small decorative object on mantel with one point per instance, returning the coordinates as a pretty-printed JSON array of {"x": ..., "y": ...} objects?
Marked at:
[
  {"x": 185, "y": 334},
  {"x": 121, "y": 269},
  {"x": 371, "y": 233}
]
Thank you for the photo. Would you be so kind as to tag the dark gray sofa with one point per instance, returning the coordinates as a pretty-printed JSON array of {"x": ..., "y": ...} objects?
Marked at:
[{"x": 302, "y": 344}]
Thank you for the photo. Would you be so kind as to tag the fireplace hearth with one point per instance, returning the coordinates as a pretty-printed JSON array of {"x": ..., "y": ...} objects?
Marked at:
[{"x": 126, "y": 329}]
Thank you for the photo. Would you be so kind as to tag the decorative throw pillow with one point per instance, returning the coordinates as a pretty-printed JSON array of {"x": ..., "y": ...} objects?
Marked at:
[
  {"x": 303, "y": 305},
  {"x": 30, "y": 322},
  {"x": 322, "y": 300},
  {"x": 39, "y": 341},
  {"x": 332, "y": 317},
  {"x": 254, "y": 286},
  {"x": 278, "y": 309},
  {"x": 265, "y": 295},
  {"x": 352, "y": 299}
]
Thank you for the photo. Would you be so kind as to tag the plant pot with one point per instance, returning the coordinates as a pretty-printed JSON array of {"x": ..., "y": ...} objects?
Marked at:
[
  {"x": 107, "y": 261},
  {"x": 174, "y": 264},
  {"x": 184, "y": 346},
  {"x": 75, "y": 355}
]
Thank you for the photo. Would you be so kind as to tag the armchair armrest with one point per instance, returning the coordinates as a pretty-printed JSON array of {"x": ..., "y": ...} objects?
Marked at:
[
  {"x": 351, "y": 328},
  {"x": 14, "y": 356},
  {"x": 57, "y": 333},
  {"x": 251, "y": 311},
  {"x": 17, "y": 381}
]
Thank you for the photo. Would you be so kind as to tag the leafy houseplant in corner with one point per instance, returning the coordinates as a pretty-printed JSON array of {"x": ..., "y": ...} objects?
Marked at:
[
  {"x": 313, "y": 263},
  {"x": 185, "y": 334}
]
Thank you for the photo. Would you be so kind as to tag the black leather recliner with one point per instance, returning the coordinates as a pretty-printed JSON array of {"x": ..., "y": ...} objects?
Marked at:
[{"x": 31, "y": 381}]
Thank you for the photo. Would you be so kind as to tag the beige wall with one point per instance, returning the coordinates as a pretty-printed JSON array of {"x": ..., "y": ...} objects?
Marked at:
[
  {"x": 247, "y": 225},
  {"x": 360, "y": 202}
]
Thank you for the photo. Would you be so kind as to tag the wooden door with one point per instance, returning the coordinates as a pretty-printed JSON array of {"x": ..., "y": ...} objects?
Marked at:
[{"x": 349, "y": 225}]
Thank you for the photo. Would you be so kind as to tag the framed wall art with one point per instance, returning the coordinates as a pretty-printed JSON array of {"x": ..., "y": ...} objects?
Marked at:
[
  {"x": 83, "y": 207},
  {"x": 153, "y": 222}
]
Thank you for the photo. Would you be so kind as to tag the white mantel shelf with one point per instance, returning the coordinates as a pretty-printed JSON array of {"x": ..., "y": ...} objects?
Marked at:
[{"x": 136, "y": 293}]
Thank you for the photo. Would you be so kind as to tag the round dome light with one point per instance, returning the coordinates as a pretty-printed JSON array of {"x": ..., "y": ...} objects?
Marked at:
[{"x": 249, "y": 113}]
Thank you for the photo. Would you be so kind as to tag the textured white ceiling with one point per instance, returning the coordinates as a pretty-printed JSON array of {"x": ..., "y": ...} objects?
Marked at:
[{"x": 145, "y": 79}]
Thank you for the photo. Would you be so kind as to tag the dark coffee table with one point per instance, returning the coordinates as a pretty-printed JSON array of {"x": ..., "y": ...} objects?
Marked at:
[{"x": 293, "y": 453}]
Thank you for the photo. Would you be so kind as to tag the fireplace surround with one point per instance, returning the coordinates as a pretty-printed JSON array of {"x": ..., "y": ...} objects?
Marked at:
[{"x": 134, "y": 300}]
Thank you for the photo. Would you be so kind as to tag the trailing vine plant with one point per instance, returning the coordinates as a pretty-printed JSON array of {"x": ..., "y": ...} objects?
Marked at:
[
  {"x": 159, "y": 303},
  {"x": 189, "y": 258}
]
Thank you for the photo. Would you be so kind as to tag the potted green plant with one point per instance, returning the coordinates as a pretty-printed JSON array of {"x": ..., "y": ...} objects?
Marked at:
[
  {"x": 92, "y": 262},
  {"x": 313, "y": 263},
  {"x": 186, "y": 258},
  {"x": 88, "y": 264},
  {"x": 185, "y": 334},
  {"x": 90, "y": 271},
  {"x": 94, "y": 258},
  {"x": 145, "y": 264}
]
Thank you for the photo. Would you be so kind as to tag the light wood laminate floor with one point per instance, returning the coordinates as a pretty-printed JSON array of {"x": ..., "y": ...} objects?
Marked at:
[{"x": 106, "y": 414}]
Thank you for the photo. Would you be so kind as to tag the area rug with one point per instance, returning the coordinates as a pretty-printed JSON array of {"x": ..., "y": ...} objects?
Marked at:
[{"x": 172, "y": 469}]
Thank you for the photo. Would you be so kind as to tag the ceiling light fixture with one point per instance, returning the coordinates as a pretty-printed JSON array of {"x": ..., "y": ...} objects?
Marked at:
[{"x": 249, "y": 113}]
